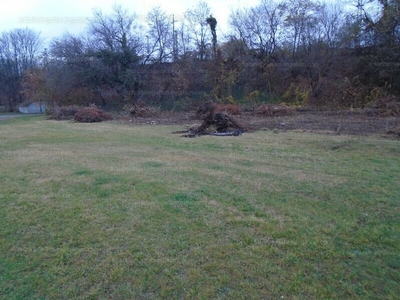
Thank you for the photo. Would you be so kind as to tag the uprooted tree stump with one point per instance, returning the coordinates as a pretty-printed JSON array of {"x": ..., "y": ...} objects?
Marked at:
[{"x": 218, "y": 124}]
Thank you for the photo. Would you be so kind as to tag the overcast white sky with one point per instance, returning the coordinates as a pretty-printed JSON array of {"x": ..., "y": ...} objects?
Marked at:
[{"x": 53, "y": 18}]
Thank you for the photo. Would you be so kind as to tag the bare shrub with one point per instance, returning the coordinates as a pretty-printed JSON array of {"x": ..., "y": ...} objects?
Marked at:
[
  {"x": 384, "y": 107},
  {"x": 64, "y": 113},
  {"x": 140, "y": 109}
]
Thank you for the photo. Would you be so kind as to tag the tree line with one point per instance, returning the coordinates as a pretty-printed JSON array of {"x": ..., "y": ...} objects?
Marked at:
[{"x": 301, "y": 52}]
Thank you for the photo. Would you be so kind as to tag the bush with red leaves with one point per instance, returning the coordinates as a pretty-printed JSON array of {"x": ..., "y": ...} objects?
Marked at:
[{"x": 91, "y": 114}]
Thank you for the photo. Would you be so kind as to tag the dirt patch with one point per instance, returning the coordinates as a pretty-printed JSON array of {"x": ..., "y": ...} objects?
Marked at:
[
  {"x": 277, "y": 110},
  {"x": 330, "y": 122},
  {"x": 325, "y": 122}
]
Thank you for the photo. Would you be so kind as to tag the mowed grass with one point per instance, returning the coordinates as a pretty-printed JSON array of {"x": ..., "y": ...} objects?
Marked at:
[{"x": 112, "y": 211}]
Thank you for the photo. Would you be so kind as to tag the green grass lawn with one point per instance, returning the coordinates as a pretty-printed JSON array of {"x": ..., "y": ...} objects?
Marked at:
[{"x": 112, "y": 211}]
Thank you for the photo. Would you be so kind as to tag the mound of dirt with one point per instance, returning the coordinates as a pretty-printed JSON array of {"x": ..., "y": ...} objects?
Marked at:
[{"x": 91, "y": 114}]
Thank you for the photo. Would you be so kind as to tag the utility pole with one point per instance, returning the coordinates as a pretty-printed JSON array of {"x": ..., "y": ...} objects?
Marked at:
[{"x": 360, "y": 20}]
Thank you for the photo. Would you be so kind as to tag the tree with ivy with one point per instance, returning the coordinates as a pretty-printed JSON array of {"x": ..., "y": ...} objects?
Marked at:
[{"x": 213, "y": 24}]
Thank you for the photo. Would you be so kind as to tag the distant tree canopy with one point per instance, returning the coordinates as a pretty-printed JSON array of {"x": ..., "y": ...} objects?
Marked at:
[
  {"x": 19, "y": 50},
  {"x": 297, "y": 52}
]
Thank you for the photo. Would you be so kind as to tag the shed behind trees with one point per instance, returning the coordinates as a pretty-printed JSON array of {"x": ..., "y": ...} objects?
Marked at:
[{"x": 33, "y": 108}]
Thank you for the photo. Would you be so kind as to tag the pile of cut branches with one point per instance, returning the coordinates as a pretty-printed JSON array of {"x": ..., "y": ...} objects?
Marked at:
[{"x": 91, "y": 114}]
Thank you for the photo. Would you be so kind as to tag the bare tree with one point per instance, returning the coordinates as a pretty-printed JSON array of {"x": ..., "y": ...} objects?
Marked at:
[
  {"x": 300, "y": 23},
  {"x": 183, "y": 38},
  {"x": 356, "y": 29},
  {"x": 18, "y": 51},
  {"x": 258, "y": 27},
  {"x": 113, "y": 48},
  {"x": 196, "y": 19},
  {"x": 104, "y": 62},
  {"x": 113, "y": 32},
  {"x": 160, "y": 35},
  {"x": 69, "y": 49},
  {"x": 69, "y": 68},
  {"x": 331, "y": 18}
]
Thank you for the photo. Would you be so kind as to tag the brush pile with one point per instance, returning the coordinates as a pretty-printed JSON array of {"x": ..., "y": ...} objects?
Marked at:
[{"x": 91, "y": 114}]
